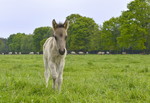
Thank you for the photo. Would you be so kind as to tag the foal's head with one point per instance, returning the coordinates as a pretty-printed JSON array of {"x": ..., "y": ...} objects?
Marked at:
[{"x": 60, "y": 34}]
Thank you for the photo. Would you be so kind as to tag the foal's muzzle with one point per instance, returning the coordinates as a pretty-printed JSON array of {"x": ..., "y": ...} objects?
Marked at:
[{"x": 61, "y": 52}]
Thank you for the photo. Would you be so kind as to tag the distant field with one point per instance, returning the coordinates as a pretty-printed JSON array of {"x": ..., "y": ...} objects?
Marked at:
[{"x": 87, "y": 79}]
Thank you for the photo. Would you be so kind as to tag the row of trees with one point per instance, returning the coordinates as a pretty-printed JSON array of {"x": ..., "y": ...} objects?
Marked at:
[{"x": 128, "y": 32}]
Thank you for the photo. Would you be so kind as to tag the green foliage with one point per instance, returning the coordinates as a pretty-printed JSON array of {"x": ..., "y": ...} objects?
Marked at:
[
  {"x": 135, "y": 24},
  {"x": 20, "y": 42},
  {"x": 95, "y": 41},
  {"x": 3, "y": 45},
  {"x": 110, "y": 32},
  {"x": 132, "y": 38},
  {"x": 80, "y": 31},
  {"x": 87, "y": 79},
  {"x": 39, "y": 34},
  {"x": 27, "y": 44},
  {"x": 14, "y": 42}
]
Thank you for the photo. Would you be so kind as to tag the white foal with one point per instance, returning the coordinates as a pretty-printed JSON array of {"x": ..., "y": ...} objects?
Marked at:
[{"x": 54, "y": 53}]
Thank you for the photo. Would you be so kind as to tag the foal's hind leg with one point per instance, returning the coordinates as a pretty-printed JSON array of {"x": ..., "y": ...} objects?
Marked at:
[{"x": 47, "y": 72}]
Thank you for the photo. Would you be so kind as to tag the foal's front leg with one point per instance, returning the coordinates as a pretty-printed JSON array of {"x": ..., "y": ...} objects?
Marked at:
[
  {"x": 60, "y": 74},
  {"x": 54, "y": 74}
]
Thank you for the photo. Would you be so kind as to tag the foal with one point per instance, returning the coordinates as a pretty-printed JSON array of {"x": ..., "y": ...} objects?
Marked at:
[{"x": 54, "y": 53}]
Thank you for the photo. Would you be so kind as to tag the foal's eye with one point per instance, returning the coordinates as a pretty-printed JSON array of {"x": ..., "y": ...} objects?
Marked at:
[{"x": 65, "y": 37}]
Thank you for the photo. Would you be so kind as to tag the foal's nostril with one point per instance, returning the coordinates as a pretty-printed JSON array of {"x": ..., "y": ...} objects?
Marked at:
[{"x": 62, "y": 52}]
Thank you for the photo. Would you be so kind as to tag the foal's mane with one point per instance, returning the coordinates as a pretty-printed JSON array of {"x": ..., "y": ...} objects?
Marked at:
[{"x": 60, "y": 25}]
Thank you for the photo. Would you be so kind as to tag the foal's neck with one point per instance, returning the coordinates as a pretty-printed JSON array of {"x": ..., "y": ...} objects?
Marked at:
[{"x": 54, "y": 45}]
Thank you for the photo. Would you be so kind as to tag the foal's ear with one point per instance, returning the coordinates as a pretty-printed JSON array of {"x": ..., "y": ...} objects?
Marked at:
[
  {"x": 66, "y": 24},
  {"x": 54, "y": 24}
]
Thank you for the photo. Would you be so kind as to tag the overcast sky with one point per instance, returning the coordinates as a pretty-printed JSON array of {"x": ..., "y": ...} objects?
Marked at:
[{"x": 26, "y": 15}]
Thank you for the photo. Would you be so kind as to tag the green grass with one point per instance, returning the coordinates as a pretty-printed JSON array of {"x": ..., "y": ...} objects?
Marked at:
[{"x": 87, "y": 79}]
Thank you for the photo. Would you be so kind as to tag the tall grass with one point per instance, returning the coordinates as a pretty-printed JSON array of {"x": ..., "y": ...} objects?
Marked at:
[{"x": 87, "y": 79}]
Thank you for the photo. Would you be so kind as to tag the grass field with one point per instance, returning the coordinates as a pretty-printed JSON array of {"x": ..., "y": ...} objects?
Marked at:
[{"x": 87, "y": 79}]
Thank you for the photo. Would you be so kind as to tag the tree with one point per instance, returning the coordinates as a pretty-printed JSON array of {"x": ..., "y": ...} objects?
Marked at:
[
  {"x": 39, "y": 34},
  {"x": 95, "y": 40},
  {"x": 14, "y": 42},
  {"x": 79, "y": 33},
  {"x": 3, "y": 45},
  {"x": 135, "y": 25},
  {"x": 109, "y": 33},
  {"x": 27, "y": 44}
]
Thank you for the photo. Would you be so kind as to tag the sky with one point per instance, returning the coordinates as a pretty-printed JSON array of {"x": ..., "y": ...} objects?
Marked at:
[{"x": 25, "y": 15}]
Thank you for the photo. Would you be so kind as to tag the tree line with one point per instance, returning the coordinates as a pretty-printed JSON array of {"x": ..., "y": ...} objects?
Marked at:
[{"x": 129, "y": 32}]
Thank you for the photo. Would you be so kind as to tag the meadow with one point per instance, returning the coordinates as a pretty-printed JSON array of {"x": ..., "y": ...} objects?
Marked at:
[{"x": 87, "y": 79}]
